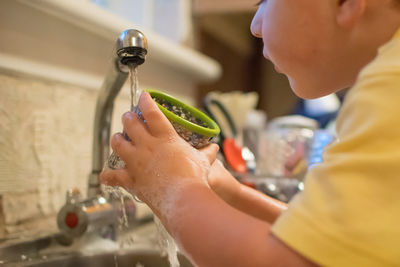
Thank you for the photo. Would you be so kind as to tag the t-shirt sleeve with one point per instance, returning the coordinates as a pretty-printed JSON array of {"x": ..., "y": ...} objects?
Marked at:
[{"x": 349, "y": 211}]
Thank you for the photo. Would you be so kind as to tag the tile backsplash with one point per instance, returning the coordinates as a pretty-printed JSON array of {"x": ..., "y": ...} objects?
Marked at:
[{"x": 45, "y": 143}]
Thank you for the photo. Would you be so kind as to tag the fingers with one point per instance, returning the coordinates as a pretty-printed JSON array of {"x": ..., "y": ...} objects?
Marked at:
[
  {"x": 122, "y": 147},
  {"x": 156, "y": 121},
  {"x": 116, "y": 178},
  {"x": 211, "y": 152},
  {"x": 134, "y": 127}
]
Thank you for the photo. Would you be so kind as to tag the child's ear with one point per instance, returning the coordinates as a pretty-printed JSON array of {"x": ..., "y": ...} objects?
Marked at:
[{"x": 349, "y": 11}]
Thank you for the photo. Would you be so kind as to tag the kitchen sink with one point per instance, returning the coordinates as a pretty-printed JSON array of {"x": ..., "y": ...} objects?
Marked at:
[
  {"x": 46, "y": 252},
  {"x": 133, "y": 258}
]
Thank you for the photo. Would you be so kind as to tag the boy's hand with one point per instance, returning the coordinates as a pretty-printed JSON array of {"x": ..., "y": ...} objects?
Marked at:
[
  {"x": 242, "y": 197},
  {"x": 219, "y": 178},
  {"x": 222, "y": 182},
  {"x": 158, "y": 162}
]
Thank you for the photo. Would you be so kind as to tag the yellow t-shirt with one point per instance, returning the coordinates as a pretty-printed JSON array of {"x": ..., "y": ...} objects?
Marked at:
[{"x": 349, "y": 212}]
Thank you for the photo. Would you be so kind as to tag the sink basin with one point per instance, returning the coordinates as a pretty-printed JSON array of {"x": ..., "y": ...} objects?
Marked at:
[
  {"x": 134, "y": 258},
  {"x": 46, "y": 252}
]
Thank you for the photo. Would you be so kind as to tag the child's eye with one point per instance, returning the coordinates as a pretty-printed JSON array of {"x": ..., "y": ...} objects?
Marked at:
[{"x": 260, "y": 2}]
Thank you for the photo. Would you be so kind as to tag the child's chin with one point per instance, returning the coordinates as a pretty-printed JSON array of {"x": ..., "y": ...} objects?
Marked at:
[
  {"x": 297, "y": 89},
  {"x": 306, "y": 91}
]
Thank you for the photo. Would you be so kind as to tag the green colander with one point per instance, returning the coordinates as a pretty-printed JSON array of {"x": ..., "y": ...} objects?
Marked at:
[{"x": 190, "y": 123}]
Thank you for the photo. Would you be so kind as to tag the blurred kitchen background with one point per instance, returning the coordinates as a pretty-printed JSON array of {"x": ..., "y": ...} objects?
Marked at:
[{"x": 53, "y": 58}]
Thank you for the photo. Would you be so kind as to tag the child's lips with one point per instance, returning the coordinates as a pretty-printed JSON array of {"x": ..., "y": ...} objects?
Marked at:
[
  {"x": 277, "y": 69},
  {"x": 266, "y": 55}
]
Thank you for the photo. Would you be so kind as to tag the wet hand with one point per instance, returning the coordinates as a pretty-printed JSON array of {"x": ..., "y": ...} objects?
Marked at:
[
  {"x": 219, "y": 178},
  {"x": 158, "y": 161},
  {"x": 222, "y": 182}
]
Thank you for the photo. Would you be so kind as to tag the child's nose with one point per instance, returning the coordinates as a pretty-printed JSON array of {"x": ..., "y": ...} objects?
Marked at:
[{"x": 256, "y": 25}]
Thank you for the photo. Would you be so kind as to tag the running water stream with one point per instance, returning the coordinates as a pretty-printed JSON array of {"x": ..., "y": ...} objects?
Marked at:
[
  {"x": 166, "y": 242},
  {"x": 134, "y": 87}
]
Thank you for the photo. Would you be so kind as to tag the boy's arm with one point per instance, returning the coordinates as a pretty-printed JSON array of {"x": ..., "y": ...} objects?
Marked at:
[
  {"x": 171, "y": 177},
  {"x": 242, "y": 197},
  {"x": 212, "y": 233}
]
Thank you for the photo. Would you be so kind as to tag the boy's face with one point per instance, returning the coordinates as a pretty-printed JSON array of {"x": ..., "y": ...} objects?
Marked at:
[{"x": 301, "y": 39}]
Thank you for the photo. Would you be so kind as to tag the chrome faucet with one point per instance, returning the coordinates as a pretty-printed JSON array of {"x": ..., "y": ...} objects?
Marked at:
[
  {"x": 97, "y": 214},
  {"x": 79, "y": 215},
  {"x": 131, "y": 48}
]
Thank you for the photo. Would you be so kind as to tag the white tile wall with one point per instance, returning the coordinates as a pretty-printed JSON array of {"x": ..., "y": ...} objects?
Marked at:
[{"x": 45, "y": 147}]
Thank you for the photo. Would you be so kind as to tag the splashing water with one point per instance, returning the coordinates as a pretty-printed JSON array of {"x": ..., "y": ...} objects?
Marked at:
[
  {"x": 167, "y": 243},
  {"x": 116, "y": 192}
]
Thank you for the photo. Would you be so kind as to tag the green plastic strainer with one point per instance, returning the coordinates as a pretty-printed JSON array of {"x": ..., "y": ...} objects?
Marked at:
[{"x": 190, "y": 123}]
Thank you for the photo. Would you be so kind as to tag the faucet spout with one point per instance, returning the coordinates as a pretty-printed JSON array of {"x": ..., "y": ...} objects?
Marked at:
[{"x": 131, "y": 49}]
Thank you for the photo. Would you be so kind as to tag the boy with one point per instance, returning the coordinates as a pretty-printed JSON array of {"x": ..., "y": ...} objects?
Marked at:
[{"x": 348, "y": 212}]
